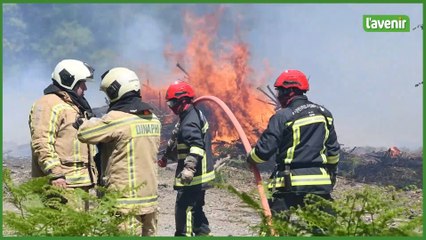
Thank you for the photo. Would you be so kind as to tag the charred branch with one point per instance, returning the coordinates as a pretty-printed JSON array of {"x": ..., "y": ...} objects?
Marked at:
[
  {"x": 269, "y": 96},
  {"x": 183, "y": 70}
]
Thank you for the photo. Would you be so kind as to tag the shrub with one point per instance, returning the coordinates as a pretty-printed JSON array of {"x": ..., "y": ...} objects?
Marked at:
[
  {"x": 368, "y": 211},
  {"x": 44, "y": 210}
]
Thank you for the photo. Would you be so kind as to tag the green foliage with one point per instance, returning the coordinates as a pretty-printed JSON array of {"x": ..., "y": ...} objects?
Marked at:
[
  {"x": 364, "y": 212},
  {"x": 44, "y": 210},
  {"x": 246, "y": 198},
  {"x": 220, "y": 177}
]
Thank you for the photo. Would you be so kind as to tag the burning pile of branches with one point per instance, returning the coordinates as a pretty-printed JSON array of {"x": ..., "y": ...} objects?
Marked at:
[{"x": 220, "y": 68}]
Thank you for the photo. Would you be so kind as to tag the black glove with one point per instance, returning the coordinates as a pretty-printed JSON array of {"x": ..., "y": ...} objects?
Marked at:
[
  {"x": 89, "y": 115},
  {"x": 332, "y": 170},
  {"x": 78, "y": 122}
]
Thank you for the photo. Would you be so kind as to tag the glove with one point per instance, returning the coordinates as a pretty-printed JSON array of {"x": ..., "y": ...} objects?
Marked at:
[
  {"x": 186, "y": 175},
  {"x": 332, "y": 170},
  {"x": 190, "y": 162},
  {"x": 78, "y": 122},
  {"x": 175, "y": 130},
  {"x": 188, "y": 171},
  {"x": 162, "y": 162},
  {"x": 89, "y": 115}
]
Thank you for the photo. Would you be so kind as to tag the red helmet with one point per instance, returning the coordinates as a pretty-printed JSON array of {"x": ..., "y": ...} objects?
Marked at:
[
  {"x": 178, "y": 90},
  {"x": 292, "y": 79}
]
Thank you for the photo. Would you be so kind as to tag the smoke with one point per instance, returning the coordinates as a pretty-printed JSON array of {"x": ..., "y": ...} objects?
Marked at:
[{"x": 365, "y": 79}]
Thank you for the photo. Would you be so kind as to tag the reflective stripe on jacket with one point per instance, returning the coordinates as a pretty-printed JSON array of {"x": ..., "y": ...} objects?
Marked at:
[
  {"x": 303, "y": 137},
  {"x": 193, "y": 138},
  {"x": 128, "y": 156},
  {"x": 55, "y": 147}
]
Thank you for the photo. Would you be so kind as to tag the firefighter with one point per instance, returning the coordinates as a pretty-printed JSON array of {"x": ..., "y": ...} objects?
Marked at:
[
  {"x": 195, "y": 164},
  {"x": 56, "y": 151},
  {"x": 302, "y": 140},
  {"x": 130, "y": 136}
]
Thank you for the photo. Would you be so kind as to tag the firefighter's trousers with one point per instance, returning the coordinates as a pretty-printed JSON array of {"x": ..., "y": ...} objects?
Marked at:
[
  {"x": 189, "y": 215},
  {"x": 141, "y": 225}
]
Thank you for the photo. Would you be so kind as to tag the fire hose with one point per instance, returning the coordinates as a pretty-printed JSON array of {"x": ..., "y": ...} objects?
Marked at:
[{"x": 247, "y": 147}]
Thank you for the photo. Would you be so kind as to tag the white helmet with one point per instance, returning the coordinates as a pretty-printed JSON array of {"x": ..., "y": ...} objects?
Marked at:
[
  {"x": 69, "y": 72},
  {"x": 118, "y": 81}
]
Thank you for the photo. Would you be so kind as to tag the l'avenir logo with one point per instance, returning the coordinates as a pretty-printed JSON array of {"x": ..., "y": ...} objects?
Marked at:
[{"x": 386, "y": 23}]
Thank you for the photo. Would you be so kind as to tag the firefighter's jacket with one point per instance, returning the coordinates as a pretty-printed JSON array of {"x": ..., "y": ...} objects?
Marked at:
[
  {"x": 56, "y": 150},
  {"x": 302, "y": 140},
  {"x": 128, "y": 155},
  {"x": 193, "y": 138}
]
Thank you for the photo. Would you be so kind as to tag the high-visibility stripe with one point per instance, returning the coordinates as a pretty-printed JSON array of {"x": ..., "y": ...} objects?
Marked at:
[
  {"x": 49, "y": 164},
  {"x": 254, "y": 156},
  {"x": 204, "y": 160},
  {"x": 290, "y": 150},
  {"x": 51, "y": 131},
  {"x": 197, "y": 150},
  {"x": 188, "y": 221},
  {"x": 303, "y": 180},
  {"x": 307, "y": 120},
  {"x": 322, "y": 152},
  {"x": 279, "y": 182},
  {"x": 182, "y": 156},
  {"x": 76, "y": 152},
  {"x": 204, "y": 165},
  {"x": 94, "y": 149},
  {"x": 99, "y": 130},
  {"x": 133, "y": 202},
  {"x": 131, "y": 167},
  {"x": 182, "y": 146},
  {"x": 205, "y": 127},
  {"x": 78, "y": 179},
  {"x": 197, "y": 179},
  {"x": 333, "y": 159}
]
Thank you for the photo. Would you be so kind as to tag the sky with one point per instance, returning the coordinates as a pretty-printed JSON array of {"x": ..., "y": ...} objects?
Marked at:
[{"x": 366, "y": 79}]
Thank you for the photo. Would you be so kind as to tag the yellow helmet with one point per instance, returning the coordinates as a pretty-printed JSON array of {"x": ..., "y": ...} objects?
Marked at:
[
  {"x": 69, "y": 72},
  {"x": 118, "y": 81}
]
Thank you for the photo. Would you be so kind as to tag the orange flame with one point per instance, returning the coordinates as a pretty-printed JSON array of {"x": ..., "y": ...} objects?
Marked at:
[{"x": 220, "y": 68}]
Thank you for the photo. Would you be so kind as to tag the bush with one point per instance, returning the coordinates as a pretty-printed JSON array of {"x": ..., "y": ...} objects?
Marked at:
[
  {"x": 365, "y": 212},
  {"x": 44, "y": 210}
]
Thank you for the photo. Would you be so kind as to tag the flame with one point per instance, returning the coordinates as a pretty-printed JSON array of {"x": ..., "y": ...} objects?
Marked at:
[{"x": 220, "y": 68}]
